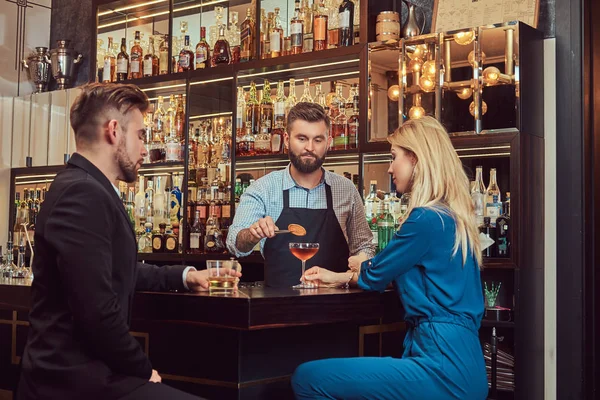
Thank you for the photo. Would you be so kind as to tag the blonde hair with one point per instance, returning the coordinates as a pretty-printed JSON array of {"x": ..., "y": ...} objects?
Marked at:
[{"x": 439, "y": 180}]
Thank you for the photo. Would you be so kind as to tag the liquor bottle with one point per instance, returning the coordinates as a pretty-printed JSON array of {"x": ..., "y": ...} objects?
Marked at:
[
  {"x": 202, "y": 205},
  {"x": 180, "y": 119},
  {"x": 276, "y": 36},
  {"x": 170, "y": 117},
  {"x": 266, "y": 107},
  {"x": 247, "y": 143},
  {"x": 171, "y": 239},
  {"x": 160, "y": 203},
  {"x": 333, "y": 32},
  {"x": 320, "y": 28},
  {"x": 145, "y": 240},
  {"x": 240, "y": 117},
  {"x": 175, "y": 209},
  {"x": 213, "y": 241},
  {"x": 320, "y": 96},
  {"x": 337, "y": 105},
  {"x": 332, "y": 93},
  {"x": 222, "y": 52},
  {"x": 149, "y": 203},
  {"x": 493, "y": 204},
  {"x": 140, "y": 201},
  {"x": 264, "y": 35},
  {"x": 352, "y": 93},
  {"x": 478, "y": 192},
  {"x": 488, "y": 231},
  {"x": 339, "y": 130},
  {"x": 110, "y": 64},
  {"x": 196, "y": 234},
  {"x": 233, "y": 37},
  {"x": 247, "y": 38},
  {"x": 186, "y": 57},
  {"x": 238, "y": 189},
  {"x": 296, "y": 31},
  {"x": 163, "y": 56},
  {"x": 202, "y": 51},
  {"x": 279, "y": 105},
  {"x": 371, "y": 209},
  {"x": 306, "y": 15},
  {"x": 159, "y": 122},
  {"x": 353, "y": 125},
  {"x": 306, "y": 97},
  {"x": 346, "y": 23},
  {"x": 158, "y": 239},
  {"x": 291, "y": 99},
  {"x": 262, "y": 141},
  {"x": 502, "y": 227},
  {"x": 385, "y": 228},
  {"x": 137, "y": 54},
  {"x": 270, "y": 21},
  {"x": 253, "y": 111},
  {"x": 277, "y": 137},
  {"x": 122, "y": 62},
  {"x": 150, "y": 60},
  {"x": 226, "y": 210}
]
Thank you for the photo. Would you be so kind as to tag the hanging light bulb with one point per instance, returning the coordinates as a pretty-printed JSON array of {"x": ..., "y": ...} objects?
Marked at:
[
  {"x": 416, "y": 112},
  {"x": 393, "y": 92},
  {"x": 428, "y": 68},
  {"x": 465, "y": 93},
  {"x": 464, "y": 38},
  {"x": 471, "y": 58},
  {"x": 426, "y": 83},
  {"x": 483, "y": 108},
  {"x": 420, "y": 52},
  {"x": 491, "y": 75},
  {"x": 415, "y": 65}
]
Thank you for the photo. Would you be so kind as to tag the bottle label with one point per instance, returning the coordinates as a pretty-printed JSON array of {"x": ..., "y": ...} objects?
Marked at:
[
  {"x": 106, "y": 72},
  {"x": 493, "y": 211},
  {"x": 164, "y": 61},
  {"x": 148, "y": 66},
  {"x": 275, "y": 40},
  {"x": 171, "y": 243},
  {"x": 340, "y": 141},
  {"x": 275, "y": 143},
  {"x": 194, "y": 240},
  {"x": 320, "y": 29},
  {"x": 296, "y": 35},
  {"x": 375, "y": 237},
  {"x": 344, "y": 19},
  {"x": 135, "y": 66},
  {"x": 184, "y": 60},
  {"x": 210, "y": 244},
  {"x": 226, "y": 211},
  {"x": 201, "y": 57},
  {"x": 279, "y": 108},
  {"x": 122, "y": 66},
  {"x": 202, "y": 210},
  {"x": 156, "y": 243},
  {"x": 172, "y": 153}
]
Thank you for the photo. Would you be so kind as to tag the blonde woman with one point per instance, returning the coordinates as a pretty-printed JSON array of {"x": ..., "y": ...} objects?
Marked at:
[{"x": 433, "y": 261}]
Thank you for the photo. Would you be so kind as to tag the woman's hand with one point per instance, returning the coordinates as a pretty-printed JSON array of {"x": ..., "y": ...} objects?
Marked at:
[
  {"x": 322, "y": 277},
  {"x": 354, "y": 262}
]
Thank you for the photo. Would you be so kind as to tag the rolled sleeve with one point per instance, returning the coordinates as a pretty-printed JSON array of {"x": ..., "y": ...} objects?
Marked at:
[
  {"x": 360, "y": 237},
  {"x": 251, "y": 209}
]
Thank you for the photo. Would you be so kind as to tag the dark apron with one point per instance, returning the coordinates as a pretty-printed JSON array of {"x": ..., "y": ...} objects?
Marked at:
[{"x": 282, "y": 269}]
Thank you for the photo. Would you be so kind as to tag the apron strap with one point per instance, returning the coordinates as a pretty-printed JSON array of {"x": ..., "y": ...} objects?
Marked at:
[
  {"x": 286, "y": 199},
  {"x": 329, "y": 197}
]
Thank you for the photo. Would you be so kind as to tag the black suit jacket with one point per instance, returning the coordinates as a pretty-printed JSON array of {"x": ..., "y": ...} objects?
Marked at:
[{"x": 86, "y": 273}]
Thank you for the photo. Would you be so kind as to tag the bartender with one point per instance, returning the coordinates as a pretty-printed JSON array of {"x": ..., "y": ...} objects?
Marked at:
[{"x": 327, "y": 205}]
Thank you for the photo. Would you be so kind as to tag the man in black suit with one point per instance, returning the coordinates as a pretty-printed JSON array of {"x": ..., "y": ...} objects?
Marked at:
[{"x": 85, "y": 266}]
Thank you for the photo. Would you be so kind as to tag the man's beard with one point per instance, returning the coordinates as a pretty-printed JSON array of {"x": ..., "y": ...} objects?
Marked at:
[
  {"x": 126, "y": 166},
  {"x": 306, "y": 166}
]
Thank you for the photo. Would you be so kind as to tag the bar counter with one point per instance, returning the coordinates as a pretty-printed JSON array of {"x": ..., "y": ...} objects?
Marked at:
[{"x": 243, "y": 346}]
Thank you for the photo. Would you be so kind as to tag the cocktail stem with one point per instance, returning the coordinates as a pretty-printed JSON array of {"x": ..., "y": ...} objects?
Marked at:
[{"x": 303, "y": 267}]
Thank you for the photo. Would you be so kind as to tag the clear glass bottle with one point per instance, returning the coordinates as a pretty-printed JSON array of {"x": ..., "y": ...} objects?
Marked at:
[
  {"x": 202, "y": 51},
  {"x": 196, "y": 234},
  {"x": 122, "y": 62},
  {"x": 320, "y": 96},
  {"x": 279, "y": 105},
  {"x": 296, "y": 31},
  {"x": 333, "y": 32},
  {"x": 264, "y": 35},
  {"x": 266, "y": 107},
  {"x": 253, "y": 111},
  {"x": 339, "y": 130},
  {"x": 353, "y": 125},
  {"x": 163, "y": 56},
  {"x": 478, "y": 193},
  {"x": 306, "y": 97},
  {"x": 149, "y": 203},
  {"x": 291, "y": 99},
  {"x": 110, "y": 64},
  {"x": 247, "y": 39},
  {"x": 276, "y": 36},
  {"x": 150, "y": 59},
  {"x": 140, "y": 204},
  {"x": 320, "y": 28},
  {"x": 277, "y": 137},
  {"x": 136, "y": 58},
  {"x": 306, "y": 15},
  {"x": 262, "y": 142},
  {"x": 493, "y": 199}
]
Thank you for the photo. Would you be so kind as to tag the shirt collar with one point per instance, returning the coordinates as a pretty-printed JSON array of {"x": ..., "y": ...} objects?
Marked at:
[
  {"x": 289, "y": 182},
  {"x": 116, "y": 189}
]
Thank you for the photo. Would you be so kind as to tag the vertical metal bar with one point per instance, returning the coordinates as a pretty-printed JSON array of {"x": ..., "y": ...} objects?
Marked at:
[
  {"x": 509, "y": 60},
  {"x": 439, "y": 78},
  {"x": 477, "y": 82},
  {"x": 402, "y": 81}
]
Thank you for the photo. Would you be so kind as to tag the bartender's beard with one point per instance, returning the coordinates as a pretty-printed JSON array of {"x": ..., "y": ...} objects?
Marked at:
[
  {"x": 306, "y": 166},
  {"x": 127, "y": 167}
]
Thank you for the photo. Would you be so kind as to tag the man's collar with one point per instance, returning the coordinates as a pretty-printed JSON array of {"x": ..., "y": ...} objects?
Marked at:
[{"x": 289, "y": 182}]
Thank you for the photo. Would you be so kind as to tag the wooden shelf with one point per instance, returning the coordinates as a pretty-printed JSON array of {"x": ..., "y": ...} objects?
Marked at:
[
  {"x": 486, "y": 323},
  {"x": 498, "y": 263},
  {"x": 178, "y": 258}
]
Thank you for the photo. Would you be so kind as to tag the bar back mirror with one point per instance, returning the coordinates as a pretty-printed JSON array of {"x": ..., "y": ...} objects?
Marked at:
[{"x": 384, "y": 91}]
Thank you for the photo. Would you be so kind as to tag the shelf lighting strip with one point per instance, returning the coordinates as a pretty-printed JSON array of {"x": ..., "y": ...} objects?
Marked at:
[
  {"x": 33, "y": 182},
  {"x": 121, "y": 9},
  {"x": 484, "y": 155},
  {"x": 210, "y": 3},
  {"x": 164, "y": 87},
  {"x": 299, "y": 68},
  {"x": 211, "y": 115},
  {"x": 313, "y": 79},
  {"x": 482, "y": 148},
  {"x": 34, "y": 177},
  {"x": 211, "y": 81}
]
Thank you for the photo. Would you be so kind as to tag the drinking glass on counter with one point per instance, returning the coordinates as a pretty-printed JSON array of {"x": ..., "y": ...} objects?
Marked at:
[
  {"x": 304, "y": 252},
  {"x": 222, "y": 282}
]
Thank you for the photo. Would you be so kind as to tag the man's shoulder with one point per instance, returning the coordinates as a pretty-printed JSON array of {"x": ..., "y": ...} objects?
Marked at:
[
  {"x": 340, "y": 182},
  {"x": 269, "y": 180}
]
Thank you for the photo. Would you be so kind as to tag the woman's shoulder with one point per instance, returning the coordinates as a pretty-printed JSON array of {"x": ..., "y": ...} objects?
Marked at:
[{"x": 431, "y": 218}]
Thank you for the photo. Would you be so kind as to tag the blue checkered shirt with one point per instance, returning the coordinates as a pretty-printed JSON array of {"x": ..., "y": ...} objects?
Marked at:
[{"x": 265, "y": 197}]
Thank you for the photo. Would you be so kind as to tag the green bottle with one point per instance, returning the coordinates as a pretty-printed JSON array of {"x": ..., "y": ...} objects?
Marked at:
[{"x": 385, "y": 228}]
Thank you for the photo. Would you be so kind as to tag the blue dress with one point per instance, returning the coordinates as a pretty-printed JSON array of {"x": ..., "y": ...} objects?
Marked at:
[{"x": 443, "y": 304}]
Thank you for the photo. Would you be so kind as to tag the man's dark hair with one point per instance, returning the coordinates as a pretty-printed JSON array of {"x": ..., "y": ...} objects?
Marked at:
[
  {"x": 309, "y": 112},
  {"x": 98, "y": 98}
]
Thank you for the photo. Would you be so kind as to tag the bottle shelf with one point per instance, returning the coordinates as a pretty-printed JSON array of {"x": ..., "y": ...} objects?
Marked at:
[
  {"x": 498, "y": 263},
  {"x": 486, "y": 323},
  {"x": 178, "y": 258}
]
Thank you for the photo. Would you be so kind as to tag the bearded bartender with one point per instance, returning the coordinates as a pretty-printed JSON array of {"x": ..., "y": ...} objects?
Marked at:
[{"x": 327, "y": 205}]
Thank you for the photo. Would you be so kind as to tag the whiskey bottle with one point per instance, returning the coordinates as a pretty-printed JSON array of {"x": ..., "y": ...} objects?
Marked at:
[
  {"x": 253, "y": 111},
  {"x": 339, "y": 128},
  {"x": 233, "y": 38},
  {"x": 158, "y": 239},
  {"x": 196, "y": 234},
  {"x": 163, "y": 55},
  {"x": 291, "y": 99},
  {"x": 346, "y": 23},
  {"x": 331, "y": 95},
  {"x": 247, "y": 38},
  {"x": 306, "y": 15},
  {"x": 202, "y": 51},
  {"x": 320, "y": 28},
  {"x": 186, "y": 57},
  {"x": 262, "y": 143},
  {"x": 277, "y": 138},
  {"x": 110, "y": 64},
  {"x": 171, "y": 239},
  {"x": 478, "y": 192},
  {"x": 333, "y": 32},
  {"x": 122, "y": 62},
  {"x": 150, "y": 60},
  {"x": 180, "y": 119},
  {"x": 493, "y": 201},
  {"x": 240, "y": 113},
  {"x": 264, "y": 35},
  {"x": 353, "y": 124},
  {"x": 276, "y": 36},
  {"x": 136, "y": 58},
  {"x": 297, "y": 31},
  {"x": 213, "y": 241},
  {"x": 266, "y": 107},
  {"x": 306, "y": 97},
  {"x": 279, "y": 105},
  {"x": 246, "y": 146},
  {"x": 222, "y": 52},
  {"x": 202, "y": 206}
]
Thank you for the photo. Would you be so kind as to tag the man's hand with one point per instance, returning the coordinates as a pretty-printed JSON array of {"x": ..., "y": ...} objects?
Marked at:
[
  {"x": 155, "y": 378},
  {"x": 197, "y": 281},
  {"x": 263, "y": 228}
]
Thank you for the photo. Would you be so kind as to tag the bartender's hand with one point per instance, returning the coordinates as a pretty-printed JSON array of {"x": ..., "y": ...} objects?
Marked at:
[
  {"x": 322, "y": 277},
  {"x": 354, "y": 262},
  {"x": 197, "y": 281},
  {"x": 155, "y": 378},
  {"x": 263, "y": 228}
]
